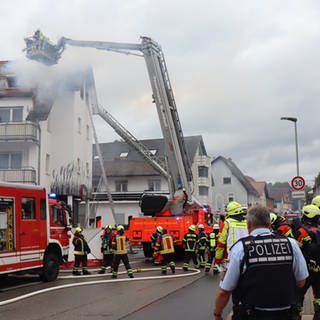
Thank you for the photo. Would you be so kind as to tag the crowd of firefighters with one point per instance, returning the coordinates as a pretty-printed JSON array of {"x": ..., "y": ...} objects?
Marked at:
[{"x": 210, "y": 250}]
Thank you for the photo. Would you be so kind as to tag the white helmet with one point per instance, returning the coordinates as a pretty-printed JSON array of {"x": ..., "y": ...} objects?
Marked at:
[
  {"x": 159, "y": 228},
  {"x": 200, "y": 226}
]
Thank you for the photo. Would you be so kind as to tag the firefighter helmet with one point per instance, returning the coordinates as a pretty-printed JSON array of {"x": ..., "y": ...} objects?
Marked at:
[
  {"x": 273, "y": 217},
  {"x": 159, "y": 229},
  {"x": 108, "y": 226},
  {"x": 192, "y": 227},
  {"x": 234, "y": 208},
  {"x": 200, "y": 226},
  {"x": 316, "y": 201},
  {"x": 78, "y": 230},
  {"x": 120, "y": 227},
  {"x": 311, "y": 211}
]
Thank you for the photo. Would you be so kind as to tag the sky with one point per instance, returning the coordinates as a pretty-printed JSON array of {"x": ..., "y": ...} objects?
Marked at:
[{"x": 236, "y": 67}]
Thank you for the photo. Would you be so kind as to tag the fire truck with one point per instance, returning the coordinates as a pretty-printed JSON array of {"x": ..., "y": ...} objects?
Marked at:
[
  {"x": 34, "y": 231},
  {"x": 178, "y": 210}
]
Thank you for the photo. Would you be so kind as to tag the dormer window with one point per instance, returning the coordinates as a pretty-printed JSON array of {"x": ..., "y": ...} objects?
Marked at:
[
  {"x": 153, "y": 152},
  {"x": 124, "y": 154}
]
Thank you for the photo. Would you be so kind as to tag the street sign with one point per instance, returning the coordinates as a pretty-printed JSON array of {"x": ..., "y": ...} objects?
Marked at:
[
  {"x": 298, "y": 183},
  {"x": 298, "y": 195}
]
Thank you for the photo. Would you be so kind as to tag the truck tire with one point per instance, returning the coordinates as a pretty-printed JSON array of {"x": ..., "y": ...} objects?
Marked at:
[
  {"x": 147, "y": 250},
  {"x": 50, "y": 268}
]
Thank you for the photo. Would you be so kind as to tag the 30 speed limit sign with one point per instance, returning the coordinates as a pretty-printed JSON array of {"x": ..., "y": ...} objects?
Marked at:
[{"x": 298, "y": 183}]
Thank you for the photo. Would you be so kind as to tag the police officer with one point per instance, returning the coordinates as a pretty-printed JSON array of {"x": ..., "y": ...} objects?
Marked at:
[
  {"x": 190, "y": 246},
  {"x": 81, "y": 251},
  {"x": 258, "y": 264},
  {"x": 308, "y": 237},
  {"x": 165, "y": 246},
  {"x": 202, "y": 245},
  {"x": 119, "y": 244},
  {"x": 106, "y": 249},
  {"x": 234, "y": 228}
]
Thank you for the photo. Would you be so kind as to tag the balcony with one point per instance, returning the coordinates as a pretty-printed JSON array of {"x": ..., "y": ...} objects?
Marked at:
[
  {"x": 22, "y": 175},
  {"x": 17, "y": 131}
]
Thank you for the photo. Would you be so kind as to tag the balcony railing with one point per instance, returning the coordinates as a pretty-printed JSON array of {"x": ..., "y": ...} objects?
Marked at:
[
  {"x": 19, "y": 131},
  {"x": 19, "y": 175}
]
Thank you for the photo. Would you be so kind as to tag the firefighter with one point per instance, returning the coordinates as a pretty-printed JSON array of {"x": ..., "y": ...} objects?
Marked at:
[
  {"x": 211, "y": 251},
  {"x": 165, "y": 246},
  {"x": 202, "y": 245},
  {"x": 81, "y": 251},
  {"x": 106, "y": 249},
  {"x": 234, "y": 228},
  {"x": 190, "y": 247},
  {"x": 316, "y": 201},
  {"x": 308, "y": 237},
  {"x": 280, "y": 226},
  {"x": 119, "y": 244},
  {"x": 154, "y": 238},
  {"x": 263, "y": 273}
]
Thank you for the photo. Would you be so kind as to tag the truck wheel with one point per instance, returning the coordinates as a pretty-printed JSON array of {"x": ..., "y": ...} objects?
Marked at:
[
  {"x": 50, "y": 269},
  {"x": 147, "y": 250}
]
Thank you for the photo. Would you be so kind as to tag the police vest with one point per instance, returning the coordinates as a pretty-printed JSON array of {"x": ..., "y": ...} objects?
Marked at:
[
  {"x": 121, "y": 247},
  {"x": 268, "y": 281},
  {"x": 167, "y": 245},
  {"x": 237, "y": 230}
]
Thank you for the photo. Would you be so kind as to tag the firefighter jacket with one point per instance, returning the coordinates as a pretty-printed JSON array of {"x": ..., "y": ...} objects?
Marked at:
[
  {"x": 165, "y": 244},
  {"x": 308, "y": 237},
  {"x": 119, "y": 244},
  {"x": 212, "y": 242},
  {"x": 233, "y": 230},
  {"x": 285, "y": 230},
  {"x": 190, "y": 241},
  {"x": 202, "y": 241},
  {"x": 106, "y": 245},
  {"x": 81, "y": 246},
  {"x": 268, "y": 261}
]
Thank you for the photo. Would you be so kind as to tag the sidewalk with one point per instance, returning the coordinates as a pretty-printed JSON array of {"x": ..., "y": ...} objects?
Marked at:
[{"x": 308, "y": 306}]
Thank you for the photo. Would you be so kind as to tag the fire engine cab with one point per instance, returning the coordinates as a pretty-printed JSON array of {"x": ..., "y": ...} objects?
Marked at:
[{"x": 34, "y": 231}]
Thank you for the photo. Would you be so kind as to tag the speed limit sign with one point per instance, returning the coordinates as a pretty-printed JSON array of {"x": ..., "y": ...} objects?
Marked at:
[{"x": 298, "y": 183}]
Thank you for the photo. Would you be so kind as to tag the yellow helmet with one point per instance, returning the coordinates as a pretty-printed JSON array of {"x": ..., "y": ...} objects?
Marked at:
[
  {"x": 234, "y": 208},
  {"x": 316, "y": 201},
  {"x": 273, "y": 217},
  {"x": 120, "y": 227},
  {"x": 108, "y": 226},
  {"x": 78, "y": 230},
  {"x": 192, "y": 227},
  {"x": 310, "y": 211}
]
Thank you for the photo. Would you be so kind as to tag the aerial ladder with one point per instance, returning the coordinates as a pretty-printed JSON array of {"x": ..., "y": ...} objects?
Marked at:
[{"x": 178, "y": 169}]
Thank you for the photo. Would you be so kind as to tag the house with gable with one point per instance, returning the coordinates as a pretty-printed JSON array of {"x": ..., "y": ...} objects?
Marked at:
[{"x": 230, "y": 184}]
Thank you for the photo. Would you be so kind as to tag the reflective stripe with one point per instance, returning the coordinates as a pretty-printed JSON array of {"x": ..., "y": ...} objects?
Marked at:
[
  {"x": 167, "y": 245},
  {"x": 121, "y": 247},
  {"x": 237, "y": 230}
]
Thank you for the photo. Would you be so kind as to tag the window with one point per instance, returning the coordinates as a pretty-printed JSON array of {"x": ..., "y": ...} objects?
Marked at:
[
  {"x": 43, "y": 209},
  {"x": 121, "y": 185},
  {"x": 47, "y": 163},
  {"x": 12, "y": 82},
  {"x": 87, "y": 169},
  {"x": 153, "y": 152},
  {"x": 154, "y": 185},
  {"x": 124, "y": 154},
  {"x": 203, "y": 191},
  {"x": 203, "y": 171},
  {"x": 230, "y": 197},
  {"x": 11, "y": 114},
  {"x": 226, "y": 180},
  {"x": 10, "y": 160},
  {"x": 78, "y": 165},
  {"x": 79, "y": 125},
  {"x": 57, "y": 215},
  {"x": 28, "y": 208},
  {"x": 87, "y": 132},
  {"x": 6, "y": 224}
]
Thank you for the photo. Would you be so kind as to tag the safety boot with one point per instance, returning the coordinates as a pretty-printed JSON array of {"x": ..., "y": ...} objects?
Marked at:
[
  {"x": 316, "y": 308},
  {"x": 86, "y": 272},
  {"x": 76, "y": 273},
  {"x": 102, "y": 271}
]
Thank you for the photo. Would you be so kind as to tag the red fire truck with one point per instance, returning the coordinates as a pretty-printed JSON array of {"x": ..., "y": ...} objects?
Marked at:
[{"x": 34, "y": 231}]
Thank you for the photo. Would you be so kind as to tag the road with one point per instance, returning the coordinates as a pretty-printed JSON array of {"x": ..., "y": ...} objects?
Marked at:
[{"x": 163, "y": 297}]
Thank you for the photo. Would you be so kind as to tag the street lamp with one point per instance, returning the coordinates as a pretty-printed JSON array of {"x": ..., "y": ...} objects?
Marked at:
[{"x": 294, "y": 120}]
